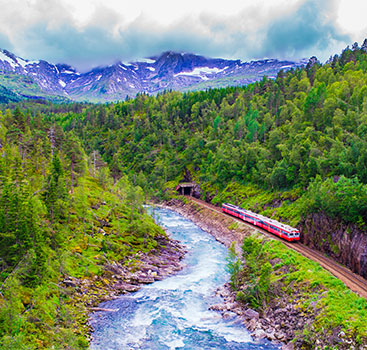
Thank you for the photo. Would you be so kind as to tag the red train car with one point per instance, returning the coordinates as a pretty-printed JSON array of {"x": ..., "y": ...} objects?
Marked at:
[{"x": 284, "y": 231}]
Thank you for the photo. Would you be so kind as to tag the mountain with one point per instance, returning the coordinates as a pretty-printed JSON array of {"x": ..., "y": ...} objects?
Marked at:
[
  {"x": 168, "y": 71},
  {"x": 7, "y": 95}
]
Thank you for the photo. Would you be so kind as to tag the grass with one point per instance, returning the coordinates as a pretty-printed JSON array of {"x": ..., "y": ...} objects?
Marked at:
[
  {"x": 338, "y": 305},
  {"x": 283, "y": 206}
]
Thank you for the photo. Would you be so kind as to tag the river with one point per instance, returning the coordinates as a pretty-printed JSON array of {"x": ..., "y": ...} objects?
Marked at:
[{"x": 173, "y": 313}]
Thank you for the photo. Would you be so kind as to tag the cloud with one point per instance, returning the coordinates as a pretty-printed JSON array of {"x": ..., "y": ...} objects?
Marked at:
[
  {"x": 311, "y": 28},
  {"x": 50, "y": 30},
  {"x": 5, "y": 43}
]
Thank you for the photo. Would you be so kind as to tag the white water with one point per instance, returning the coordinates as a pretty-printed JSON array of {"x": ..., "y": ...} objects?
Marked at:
[{"x": 173, "y": 313}]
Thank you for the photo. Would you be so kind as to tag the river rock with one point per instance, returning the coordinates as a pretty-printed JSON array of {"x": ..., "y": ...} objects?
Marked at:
[
  {"x": 146, "y": 279},
  {"x": 229, "y": 314},
  {"x": 280, "y": 336},
  {"x": 250, "y": 314},
  {"x": 224, "y": 291},
  {"x": 270, "y": 334},
  {"x": 231, "y": 306},
  {"x": 259, "y": 334},
  {"x": 125, "y": 287},
  {"x": 218, "y": 307},
  {"x": 102, "y": 309},
  {"x": 252, "y": 325}
]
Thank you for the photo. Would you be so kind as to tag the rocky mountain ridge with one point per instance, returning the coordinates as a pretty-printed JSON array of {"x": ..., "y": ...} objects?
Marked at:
[{"x": 168, "y": 71}]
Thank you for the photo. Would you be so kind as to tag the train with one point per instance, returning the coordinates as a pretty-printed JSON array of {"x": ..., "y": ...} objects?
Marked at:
[{"x": 283, "y": 231}]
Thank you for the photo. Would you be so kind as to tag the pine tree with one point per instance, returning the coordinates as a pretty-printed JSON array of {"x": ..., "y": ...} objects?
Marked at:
[{"x": 55, "y": 192}]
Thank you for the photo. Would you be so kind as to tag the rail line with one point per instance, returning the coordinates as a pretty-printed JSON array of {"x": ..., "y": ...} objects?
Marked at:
[{"x": 353, "y": 281}]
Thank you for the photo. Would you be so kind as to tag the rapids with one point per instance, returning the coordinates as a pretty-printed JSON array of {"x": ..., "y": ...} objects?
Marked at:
[{"x": 173, "y": 313}]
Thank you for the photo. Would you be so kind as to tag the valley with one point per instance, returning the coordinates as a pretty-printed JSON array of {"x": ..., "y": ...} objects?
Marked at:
[{"x": 74, "y": 177}]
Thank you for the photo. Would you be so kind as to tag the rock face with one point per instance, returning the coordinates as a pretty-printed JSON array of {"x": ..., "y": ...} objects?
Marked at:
[{"x": 346, "y": 243}]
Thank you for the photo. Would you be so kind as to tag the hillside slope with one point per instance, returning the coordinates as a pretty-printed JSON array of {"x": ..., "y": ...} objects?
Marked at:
[
  {"x": 63, "y": 222},
  {"x": 288, "y": 148}
]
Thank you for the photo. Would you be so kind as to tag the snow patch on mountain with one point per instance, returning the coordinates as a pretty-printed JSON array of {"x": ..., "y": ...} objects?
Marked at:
[
  {"x": 146, "y": 60},
  {"x": 199, "y": 71},
  {"x": 7, "y": 59}
]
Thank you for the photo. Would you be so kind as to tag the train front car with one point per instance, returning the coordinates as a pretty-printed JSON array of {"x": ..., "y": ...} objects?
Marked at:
[
  {"x": 283, "y": 231},
  {"x": 294, "y": 235}
]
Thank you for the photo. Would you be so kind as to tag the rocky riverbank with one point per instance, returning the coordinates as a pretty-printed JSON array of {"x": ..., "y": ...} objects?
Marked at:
[
  {"x": 279, "y": 323},
  {"x": 119, "y": 279},
  {"x": 286, "y": 319}
]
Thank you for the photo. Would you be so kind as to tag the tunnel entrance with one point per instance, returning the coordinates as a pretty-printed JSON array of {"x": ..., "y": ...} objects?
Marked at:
[{"x": 185, "y": 189}]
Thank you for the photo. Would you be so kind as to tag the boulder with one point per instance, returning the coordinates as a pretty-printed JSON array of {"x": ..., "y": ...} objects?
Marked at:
[
  {"x": 251, "y": 314},
  {"x": 228, "y": 315},
  {"x": 218, "y": 307},
  {"x": 259, "y": 334}
]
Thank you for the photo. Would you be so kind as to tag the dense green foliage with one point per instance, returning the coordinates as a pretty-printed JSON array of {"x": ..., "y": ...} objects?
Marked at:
[
  {"x": 255, "y": 273},
  {"x": 299, "y": 281},
  {"x": 285, "y": 147},
  {"x": 61, "y": 215},
  {"x": 274, "y": 134},
  {"x": 7, "y": 95}
]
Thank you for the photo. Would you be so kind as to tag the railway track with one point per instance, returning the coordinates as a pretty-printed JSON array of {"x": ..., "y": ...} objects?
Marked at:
[{"x": 353, "y": 281}]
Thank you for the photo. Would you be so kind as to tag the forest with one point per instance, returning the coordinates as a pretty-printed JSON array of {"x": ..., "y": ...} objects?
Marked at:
[
  {"x": 73, "y": 176},
  {"x": 303, "y": 134},
  {"x": 61, "y": 216}
]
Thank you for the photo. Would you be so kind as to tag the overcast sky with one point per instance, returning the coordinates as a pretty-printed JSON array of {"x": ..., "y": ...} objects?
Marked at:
[{"x": 87, "y": 33}]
